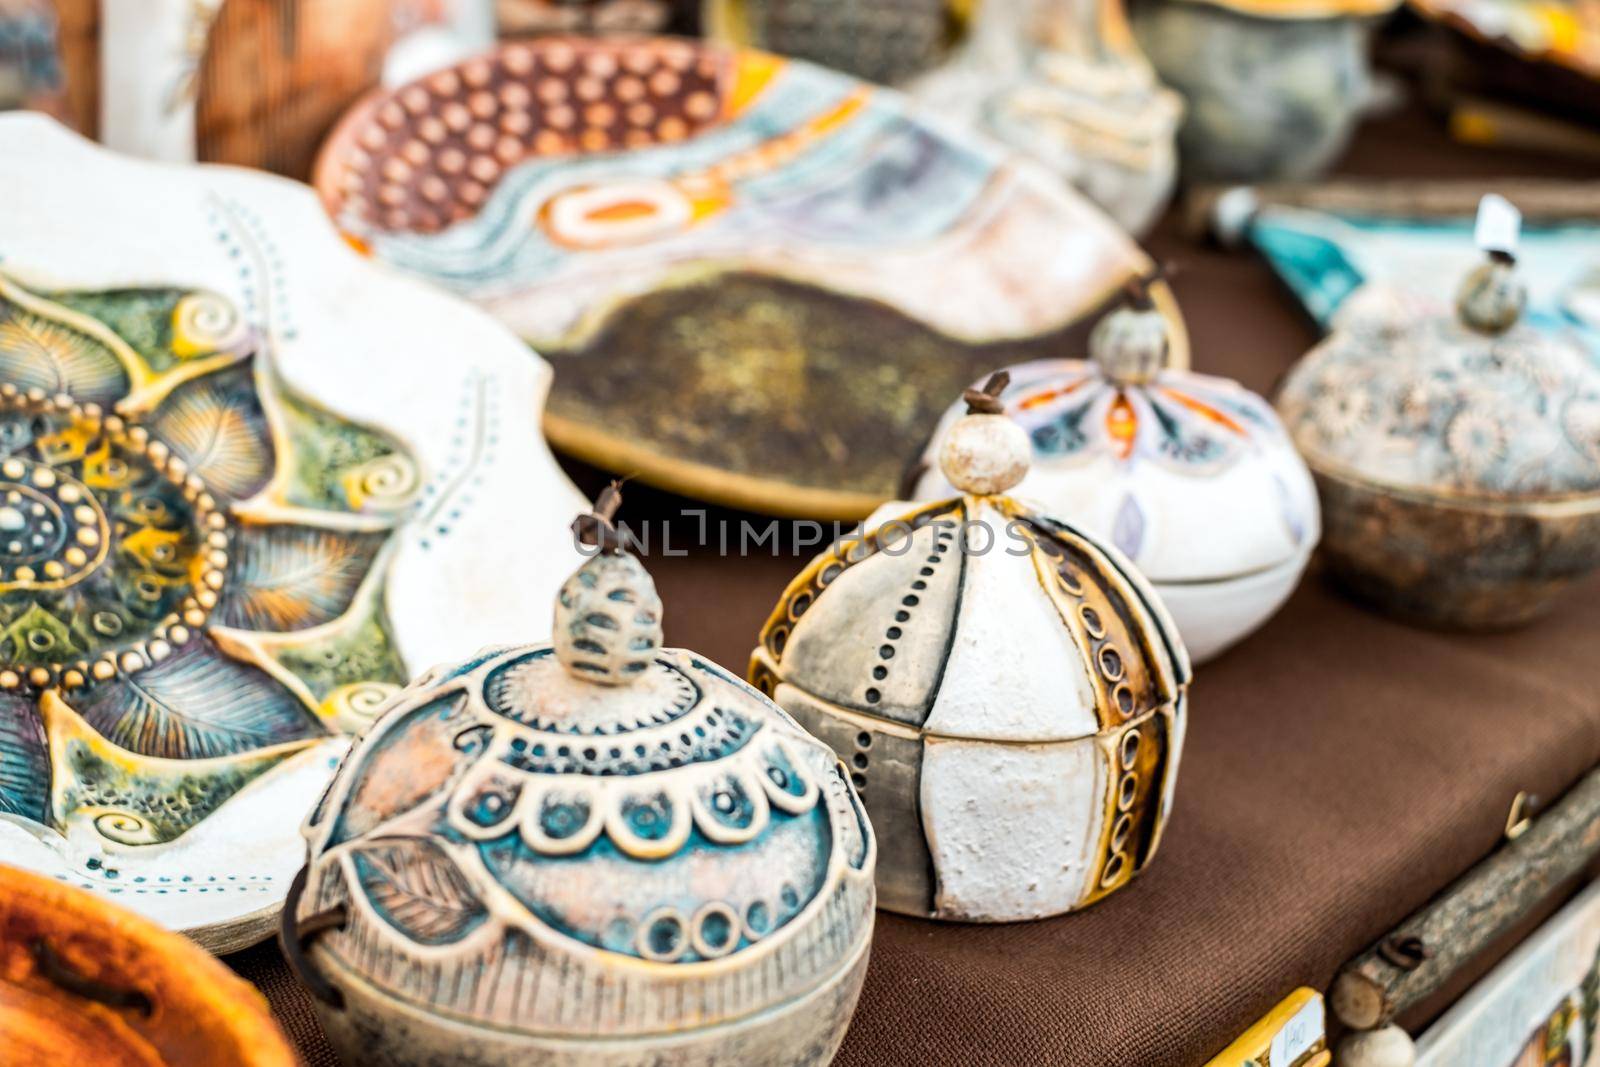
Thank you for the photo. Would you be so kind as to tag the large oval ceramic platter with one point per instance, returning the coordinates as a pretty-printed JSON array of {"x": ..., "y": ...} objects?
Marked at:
[
  {"x": 758, "y": 280},
  {"x": 249, "y": 485}
]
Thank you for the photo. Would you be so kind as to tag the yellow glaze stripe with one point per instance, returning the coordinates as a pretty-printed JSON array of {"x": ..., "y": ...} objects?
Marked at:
[{"x": 1308, "y": 1043}]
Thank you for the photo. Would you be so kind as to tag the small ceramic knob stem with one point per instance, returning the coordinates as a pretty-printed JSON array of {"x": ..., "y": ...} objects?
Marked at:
[
  {"x": 1492, "y": 296},
  {"x": 1130, "y": 344},
  {"x": 985, "y": 452},
  {"x": 608, "y": 614}
]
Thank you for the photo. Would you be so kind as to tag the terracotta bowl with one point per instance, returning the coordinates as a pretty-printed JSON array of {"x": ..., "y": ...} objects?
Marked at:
[{"x": 83, "y": 981}]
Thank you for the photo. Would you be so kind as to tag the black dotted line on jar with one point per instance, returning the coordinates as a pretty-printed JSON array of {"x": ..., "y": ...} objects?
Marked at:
[
  {"x": 943, "y": 539},
  {"x": 861, "y": 761}
]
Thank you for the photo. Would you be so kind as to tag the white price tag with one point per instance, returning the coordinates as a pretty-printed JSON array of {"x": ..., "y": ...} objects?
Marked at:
[
  {"x": 1499, "y": 223},
  {"x": 1299, "y": 1035}
]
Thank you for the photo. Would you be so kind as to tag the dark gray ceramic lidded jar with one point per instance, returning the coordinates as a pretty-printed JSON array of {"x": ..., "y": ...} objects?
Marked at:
[{"x": 1457, "y": 454}]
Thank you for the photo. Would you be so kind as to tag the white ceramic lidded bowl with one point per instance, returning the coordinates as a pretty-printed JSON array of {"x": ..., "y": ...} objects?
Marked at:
[
  {"x": 597, "y": 851},
  {"x": 1008, "y": 692},
  {"x": 1190, "y": 476}
]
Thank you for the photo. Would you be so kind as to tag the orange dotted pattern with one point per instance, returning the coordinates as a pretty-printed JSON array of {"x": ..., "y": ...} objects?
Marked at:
[{"x": 429, "y": 154}]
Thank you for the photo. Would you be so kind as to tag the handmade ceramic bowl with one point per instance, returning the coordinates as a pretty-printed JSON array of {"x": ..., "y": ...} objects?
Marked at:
[
  {"x": 83, "y": 981},
  {"x": 242, "y": 497},
  {"x": 752, "y": 274},
  {"x": 1458, "y": 456},
  {"x": 1009, "y": 693},
  {"x": 599, "y": 851},
  {"x": 1191, "y": 477}
]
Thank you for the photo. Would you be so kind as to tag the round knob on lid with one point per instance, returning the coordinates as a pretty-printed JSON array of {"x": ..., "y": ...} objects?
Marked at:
[
  {"x": 1130, "y": 344},
  {"x": 1492, "y": 296},
  {"x": 608, "y": 614},
  {"x": 985, "y": 452}
]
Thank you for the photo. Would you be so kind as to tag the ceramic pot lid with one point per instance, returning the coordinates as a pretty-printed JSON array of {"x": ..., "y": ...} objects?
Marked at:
[
  {"x": 84, "y": 981},
  {"x": 241, "y": 497},
  {"x": 1190, "y": 476},
  {"x": 943, "y": 616},
  {"x": 714, "y": 246},
  {"x": 600, "y": 813},
  {"x": 1475, "y": 403}
]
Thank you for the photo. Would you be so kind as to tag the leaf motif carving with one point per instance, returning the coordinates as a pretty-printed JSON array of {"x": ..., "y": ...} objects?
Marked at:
[
  {"x": 36, "y": 353},
  {"x": 197, "y": 704},
  {"x": 216, "y": 425},
  {"x": 24, "y": 761},
  {"x": 291, "y": 577},
  {"x": 419, "y": 890}
]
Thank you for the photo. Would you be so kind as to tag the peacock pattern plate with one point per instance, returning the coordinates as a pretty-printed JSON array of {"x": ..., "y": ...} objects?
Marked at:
[{"x": 241, "y": 501}]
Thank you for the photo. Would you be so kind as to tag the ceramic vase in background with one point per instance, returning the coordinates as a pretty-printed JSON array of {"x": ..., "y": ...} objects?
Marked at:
[
  {"x": 1064, "y": 81},
  {"x": 1273, "y": 91}
]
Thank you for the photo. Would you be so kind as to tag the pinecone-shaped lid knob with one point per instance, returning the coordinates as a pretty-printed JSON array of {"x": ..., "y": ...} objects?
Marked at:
[
  {"x": 608, "y": 614},
  {"x": 1130, "y": 344}
]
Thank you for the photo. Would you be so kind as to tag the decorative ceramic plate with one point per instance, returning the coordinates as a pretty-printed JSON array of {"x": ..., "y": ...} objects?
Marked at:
[
  {"x": 248, "y": 486},
  {"x": 757, "y": 279},
  {"x": 83, "y": 981}
]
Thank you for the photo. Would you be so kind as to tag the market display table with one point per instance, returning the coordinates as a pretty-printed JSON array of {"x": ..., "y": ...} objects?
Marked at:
[{"x": 1340, "y": 770}]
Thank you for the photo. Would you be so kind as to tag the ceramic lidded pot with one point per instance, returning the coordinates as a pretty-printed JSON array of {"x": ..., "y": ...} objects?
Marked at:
[
  {"x": 84, "y": 981},
  {"x": 598, "y": 851},
  {"x": 1009, "y": 692},
  {"x": 1274, "y": 88},
  {"x": 1457, "y": 454},
  {"x": 1191, "y": 477}
]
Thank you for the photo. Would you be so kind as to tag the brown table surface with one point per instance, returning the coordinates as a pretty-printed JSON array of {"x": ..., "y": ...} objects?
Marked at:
[{"x": 1340, "y": 768}]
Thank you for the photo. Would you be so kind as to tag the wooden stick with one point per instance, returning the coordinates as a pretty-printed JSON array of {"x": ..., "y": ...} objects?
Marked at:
[
  {"x": 1420, "y": 954},
  {"x": 1539, "y": 199}
]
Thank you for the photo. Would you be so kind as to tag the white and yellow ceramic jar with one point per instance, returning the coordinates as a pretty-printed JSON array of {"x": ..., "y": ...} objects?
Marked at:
[{"x": 1008, "y": 692}]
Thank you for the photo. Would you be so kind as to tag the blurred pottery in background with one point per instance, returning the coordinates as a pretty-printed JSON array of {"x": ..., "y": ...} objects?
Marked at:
[
  {"x": 752, "y": 274},
  {"x": 1413, "y": 240},
  {"x": 1272, "y": 88},
  {"x": 884, "y": 41},
  {"x": 1008, "y": 691},
  {"x": 609, "y": 853},
  {"x": 83, "y": 981},
  {"x": 1191, "y": 477},
  {"x": 1064, "y": 82},
  {"x": 225, "y": 537},
  {"x": 1567, "y": 33},
  {"x": 536, "y": 18},
  {"x": 252, "y": 82},
  {"x": 30, "y": 58},
  {"x": 1457, "y": 456}
]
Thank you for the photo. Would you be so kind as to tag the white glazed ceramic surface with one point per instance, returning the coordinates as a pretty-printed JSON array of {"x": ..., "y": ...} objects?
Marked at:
[
  {"x": 1009, "y": 694},
  {"x": 1192, "y": 477},
  {"x": 454, "y": 536}
]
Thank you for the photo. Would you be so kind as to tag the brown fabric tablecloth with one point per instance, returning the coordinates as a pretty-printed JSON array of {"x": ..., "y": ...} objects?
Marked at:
[{"x": 1340, "y": 769}]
